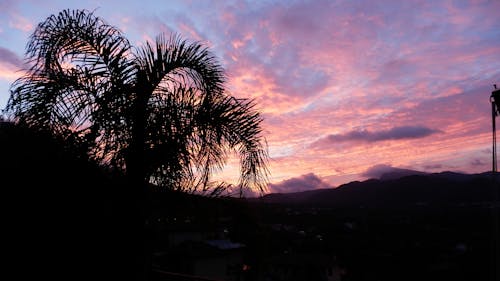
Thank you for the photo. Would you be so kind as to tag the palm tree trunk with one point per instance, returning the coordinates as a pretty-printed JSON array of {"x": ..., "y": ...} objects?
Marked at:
[{"x": 138, "y": 194}]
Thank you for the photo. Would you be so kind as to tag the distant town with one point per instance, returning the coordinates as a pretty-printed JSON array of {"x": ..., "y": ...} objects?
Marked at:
[{"x": 395, "y": 229}]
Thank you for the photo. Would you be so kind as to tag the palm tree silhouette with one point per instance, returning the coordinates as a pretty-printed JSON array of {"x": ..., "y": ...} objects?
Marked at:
[{"x": 160, "y": 113}]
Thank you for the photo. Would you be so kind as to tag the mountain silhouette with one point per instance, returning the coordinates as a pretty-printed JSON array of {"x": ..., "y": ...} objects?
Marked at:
[
  {"x": 421, "y": 189},
  {"x": 400, "y": 173}
]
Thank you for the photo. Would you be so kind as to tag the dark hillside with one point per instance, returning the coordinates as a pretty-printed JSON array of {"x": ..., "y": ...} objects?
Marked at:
[
  {"x": 64, "y": 216},
  {"x": 443, "y": 189},
  {"x": 57, "y": 207},
  {"x": 419, "y": 227}
]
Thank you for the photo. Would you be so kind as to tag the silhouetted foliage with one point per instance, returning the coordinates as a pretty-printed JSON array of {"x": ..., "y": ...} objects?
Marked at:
[
  {"x": 159, "y": 112},
  {"x": 61, "y": 220}
]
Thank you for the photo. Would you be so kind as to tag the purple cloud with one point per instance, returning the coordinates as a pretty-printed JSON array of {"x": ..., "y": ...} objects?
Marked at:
[
  {"x": 378, "y": 170},
  {"x": 384, "y": 171},
  {"x": 477, "y": 162},
  {"x": 433, "y": 167},
  {"x": 302, "y": 183},
  {"x": 396, "y": 133},
  {"x": 460, "y": 114},
  {"x": 321, "y": 67},
  {"x": 6, "y": 5},
  {"x": 9, "y": 57}
]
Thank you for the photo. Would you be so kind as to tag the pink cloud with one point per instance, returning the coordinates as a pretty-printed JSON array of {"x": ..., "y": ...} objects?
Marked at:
[
  {"x": 21, "y": 23},
  {"x": 9, "y": 57},
  {"x": 323, "y": 68},
  {"x": 8, "y": 73},
  {"x": 395, "y": 133},
  {"x": 188, "y": 29},
  {"x": 10, "y": 64},
  {"x": 302, "y": 183}
]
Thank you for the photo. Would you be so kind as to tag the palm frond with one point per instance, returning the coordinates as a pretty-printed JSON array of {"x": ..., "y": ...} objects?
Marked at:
[
  {"x": 79, "y": 79},
  {"x": 160, "y": 112},
  {"x": 238, "y": 126},
  {"x": 176, "y": 60}
]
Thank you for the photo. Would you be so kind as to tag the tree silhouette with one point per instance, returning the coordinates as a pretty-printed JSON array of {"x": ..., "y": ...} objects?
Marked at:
[
  {"x": 59, "y": 215},
  {"x": 160, "y": 112}
]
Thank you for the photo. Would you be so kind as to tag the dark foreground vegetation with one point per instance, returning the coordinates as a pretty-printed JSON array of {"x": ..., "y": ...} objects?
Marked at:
[
  {"x": 62, "y": 217},
  {"x": 98, "y": 121},
  {"x": 65, "y": 218}
]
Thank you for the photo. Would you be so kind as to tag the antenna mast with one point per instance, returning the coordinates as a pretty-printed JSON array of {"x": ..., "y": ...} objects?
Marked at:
[
  {"x": 495, "y": 111},
  {"x": 495, "y": 108}
]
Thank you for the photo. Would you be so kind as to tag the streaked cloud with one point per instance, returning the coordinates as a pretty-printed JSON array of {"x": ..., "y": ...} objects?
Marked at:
[
  {"x": 342, "y": 85},
  {"x": 9, "y": 57},
  {"x": 396, "y": 133},
  {"x": 21, "y": 23},
  {"x": 433, "y": 167},
  {"x": 478, "y": 162},
  {"x": 10, "y": 64}
]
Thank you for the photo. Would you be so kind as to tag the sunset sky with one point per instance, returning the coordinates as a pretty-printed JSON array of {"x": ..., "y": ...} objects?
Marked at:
[{"x": 348, "y": 89}]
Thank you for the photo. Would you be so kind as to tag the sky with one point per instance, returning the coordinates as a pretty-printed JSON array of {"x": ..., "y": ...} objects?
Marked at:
[{"x": 348, "y": 89}]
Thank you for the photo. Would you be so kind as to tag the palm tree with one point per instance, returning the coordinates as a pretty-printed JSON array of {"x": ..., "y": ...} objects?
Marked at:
[{"x": 159, "y": 113}]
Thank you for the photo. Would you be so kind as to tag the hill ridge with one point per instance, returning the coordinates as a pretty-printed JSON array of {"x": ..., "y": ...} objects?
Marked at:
[{"x": 444, "y": 188}]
